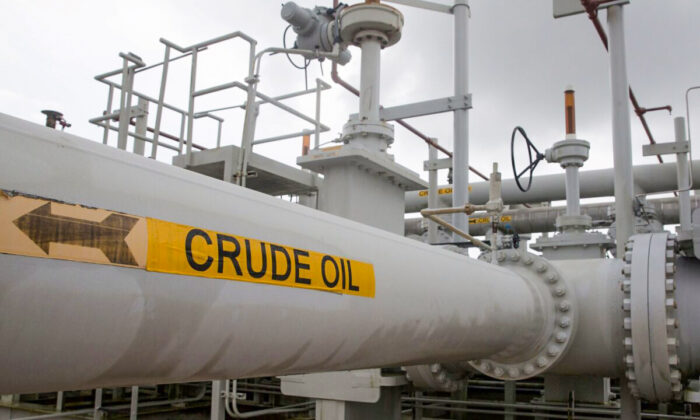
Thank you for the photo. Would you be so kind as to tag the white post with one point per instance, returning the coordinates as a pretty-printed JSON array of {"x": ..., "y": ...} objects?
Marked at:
[
  {"x": 134, "y": 406},
  {"x": 218, "y": 411},
  {"x": 125, "y": 105},
  {"x": 97, "y": 414},
  {"x": 190, "y": 106},
  {"x": 509, "y": 397},
  {"x": 317, "y": 130},
  {"x": 141, "y": 127},
  {"x": 432, "y": 195},
  {"x": 622, "y": 138},
  {"x": 161, "y": 100},
  {"x": 460, "y": 158},
  {"x": 251, "y": 116},
  {"x": 683, "y": 176}
]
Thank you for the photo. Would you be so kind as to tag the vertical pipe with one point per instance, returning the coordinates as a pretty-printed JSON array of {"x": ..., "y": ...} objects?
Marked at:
[
  {"x": 317, "y": 131},
  {"x": 141, "y": 127},
  {"x": 509, "y": 398},
  {"x": 622, "y": 139},
  {"x": 190, "y": 107},
  {"x": 60, "y": 400},
  {"x": 573, "y": 192},
  {"x": 124, "y": 107},
  {"x": 418, "y": 410},
  {"x": 108, "y": 110},
  {"x": 369, "y": 81},
  {"x": 460, "y": 158},
  {"x": 218, "y": 411},
  {"x": 161, "y": 99},
  {"x": 218, "y": 135},
  {"x": 134, "y": 407},
  {"x": 97, "y": 413},
  {"x": 432, "y": 195},
  {"x": 683, "y": 176}
]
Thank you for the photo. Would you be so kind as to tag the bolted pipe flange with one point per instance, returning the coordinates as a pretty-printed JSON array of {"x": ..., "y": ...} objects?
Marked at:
[
  {"x": 650, "y": 317},
  {"x": 559, "y": 317}
]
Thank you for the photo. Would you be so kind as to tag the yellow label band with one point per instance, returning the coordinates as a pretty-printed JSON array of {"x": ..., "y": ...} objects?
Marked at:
[
  {"x": 180, "y": 249},
  {"x": 45, "y": 228},
  {"x": 484, "y": 220}
]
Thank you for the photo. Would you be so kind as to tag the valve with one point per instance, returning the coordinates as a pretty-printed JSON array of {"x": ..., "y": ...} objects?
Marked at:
[
  {"x": 317, "y": 29},
  {"x": 538, "y": 157}
]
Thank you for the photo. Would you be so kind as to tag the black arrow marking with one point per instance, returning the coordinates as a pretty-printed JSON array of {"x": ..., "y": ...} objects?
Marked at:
[{"x": 42, "y": 227}]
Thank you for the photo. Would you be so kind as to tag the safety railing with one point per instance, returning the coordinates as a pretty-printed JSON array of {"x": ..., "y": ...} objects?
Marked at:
[{"x": 127, "y": 114}]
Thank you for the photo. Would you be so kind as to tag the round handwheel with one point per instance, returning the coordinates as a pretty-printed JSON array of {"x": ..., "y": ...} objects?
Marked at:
[{"x": 534, "y": 157}]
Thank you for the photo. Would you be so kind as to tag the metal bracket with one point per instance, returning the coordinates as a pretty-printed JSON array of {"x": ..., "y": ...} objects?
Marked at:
[
  {"x": 434, "y": 165},
  {"x": 419, "y": 109},
  {"x": 671, "y": 148}
]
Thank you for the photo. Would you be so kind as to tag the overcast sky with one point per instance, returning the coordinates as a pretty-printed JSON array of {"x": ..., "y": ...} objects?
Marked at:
[{"x": 521, "y": 59}]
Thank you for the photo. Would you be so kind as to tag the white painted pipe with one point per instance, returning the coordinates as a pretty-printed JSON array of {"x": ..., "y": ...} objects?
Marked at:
[
  {"x": 621, "y": 130},
  {"x": 573, "y": 191},
  {"x": 460, "y": 157},
  {"x": 652, "y": 178},
  {"x": 72, "y": 325},
  {"x": 683, "y": 176},
  {"x": 543, "y": 219},
  {"x": 369, "y": 79}
]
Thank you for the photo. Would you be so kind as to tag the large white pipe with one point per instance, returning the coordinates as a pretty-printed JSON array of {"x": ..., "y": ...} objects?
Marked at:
[
  {"x": 652, "y": 178},
  {"x": 72, "y": 325},
  {"x": 621, "y": 130}
]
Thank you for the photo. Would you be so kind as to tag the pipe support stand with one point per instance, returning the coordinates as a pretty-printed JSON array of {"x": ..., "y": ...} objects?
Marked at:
[{"x": 538, "y": 351}]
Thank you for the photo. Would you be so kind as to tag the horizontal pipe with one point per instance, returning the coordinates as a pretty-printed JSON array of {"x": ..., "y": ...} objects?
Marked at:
[
  {"x": 542, "y": 219},
  {"x": 114, "y": 326},
  {"x": 651, "y": 179}
]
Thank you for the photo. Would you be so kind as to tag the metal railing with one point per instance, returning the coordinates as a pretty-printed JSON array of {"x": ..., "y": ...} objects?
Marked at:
[{"x": 127, "y": 114}]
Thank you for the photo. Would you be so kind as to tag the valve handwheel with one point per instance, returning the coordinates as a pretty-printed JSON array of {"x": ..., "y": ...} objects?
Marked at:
[{"x": 533, "y": 163}]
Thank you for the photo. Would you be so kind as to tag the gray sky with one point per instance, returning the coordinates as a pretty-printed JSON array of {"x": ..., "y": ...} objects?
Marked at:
[{"x": 521, "y": 59}]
